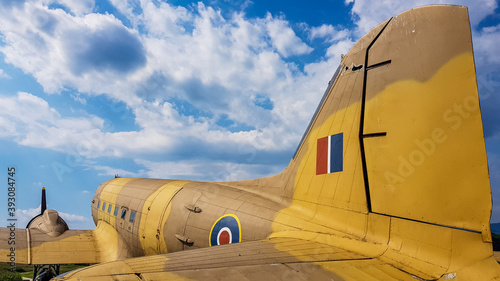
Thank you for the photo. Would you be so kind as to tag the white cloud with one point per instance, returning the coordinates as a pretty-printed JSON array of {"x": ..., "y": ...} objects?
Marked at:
[
  {"x": 341, "y": 48},
  {"x": 79, "y": 7},
  {"x": 110, "y": 171},
  {"x": 219, "y": 66},
  {"x": 64, "y": 51},
  {"x": 69, "y": 218},
  {"x": 32, "y": 122},
  {"x": 79, "y": 98},
  {"x": 284, "y": 38},
  {"x": 329, "y": 33},
  {"x": 4, "y": 75},
  {"x": 207, "y": 170},
  {"x": 486, "y": 42},
  {"x": 164, "y": 20}
]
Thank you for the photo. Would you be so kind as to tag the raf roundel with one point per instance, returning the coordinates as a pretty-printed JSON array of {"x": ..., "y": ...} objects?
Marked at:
[{"x": 226, "y": 230}]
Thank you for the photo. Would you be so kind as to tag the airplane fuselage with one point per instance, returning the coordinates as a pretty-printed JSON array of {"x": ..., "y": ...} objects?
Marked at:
[{"x": 158, "y": 216}]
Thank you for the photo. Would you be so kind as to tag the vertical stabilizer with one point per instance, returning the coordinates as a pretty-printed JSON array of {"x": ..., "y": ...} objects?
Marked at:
[{"x": 404, "y": 109}]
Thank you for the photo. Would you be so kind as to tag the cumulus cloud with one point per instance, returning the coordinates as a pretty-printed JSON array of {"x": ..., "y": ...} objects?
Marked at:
[
  {"x": 71, "y": 217},
  {"x": 4, "y": 75},
  {"x": 329, "y": 33},
  {"x": 31, "y": 121},
  {"x": 61, "y": 50},
  {"x": 191, "y": 78},
  {"x": 284, "y": 38},
  {"x": 79, "y": 7},
  {"x": 100, "y": 49}
]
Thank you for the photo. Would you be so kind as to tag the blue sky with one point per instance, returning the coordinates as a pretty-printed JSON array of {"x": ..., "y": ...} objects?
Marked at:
[{"x": 211, "y": 90}]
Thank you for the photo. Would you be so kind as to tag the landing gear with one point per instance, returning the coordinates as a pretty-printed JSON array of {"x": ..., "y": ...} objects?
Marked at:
[{"x": 44, "y": 272}]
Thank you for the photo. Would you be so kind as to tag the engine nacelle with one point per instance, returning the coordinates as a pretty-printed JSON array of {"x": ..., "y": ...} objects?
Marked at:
[{"x": 49, "y": 222}]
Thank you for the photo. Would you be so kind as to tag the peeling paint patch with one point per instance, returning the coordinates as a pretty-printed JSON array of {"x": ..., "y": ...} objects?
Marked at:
[{"x": 450, "y": 276}]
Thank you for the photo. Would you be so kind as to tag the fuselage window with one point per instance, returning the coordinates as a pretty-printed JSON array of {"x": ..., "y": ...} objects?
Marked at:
[
  {"x": 124, "y": 213},
  {"x": 116, "y": 211},
  {"x": 132, "y": 216},
  {"x": 109, "y": 208},
  {"x": 99, "y": 204},
  {"x": 103, "y": 206}
]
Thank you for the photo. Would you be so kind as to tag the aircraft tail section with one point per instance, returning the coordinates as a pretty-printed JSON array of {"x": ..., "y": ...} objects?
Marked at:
[
  {"x": 395, "y": 153},
  {"x": 399, "y": 131}
]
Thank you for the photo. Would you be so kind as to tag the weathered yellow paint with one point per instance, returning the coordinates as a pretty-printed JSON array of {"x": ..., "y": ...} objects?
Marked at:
[
  {"x": 73, "y": 246},
  {"x": 109, "y": 194},
  {"x": 109, "y": 243},
  {"x": 486, "y": 269},
  {"x": 336, "y": 188},
  {"x": 330, "y": 203},
  {"x": 155, "y": 213},
  {"x": 102, "y": 244},
  {"x": 366, "y": 270}
]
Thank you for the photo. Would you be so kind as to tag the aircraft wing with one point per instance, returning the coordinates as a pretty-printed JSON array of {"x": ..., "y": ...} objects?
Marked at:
[
  {"x": 271, "y": 259},
  {"x": 279, "y": 258},
  {"x": 34, "y": 246}
]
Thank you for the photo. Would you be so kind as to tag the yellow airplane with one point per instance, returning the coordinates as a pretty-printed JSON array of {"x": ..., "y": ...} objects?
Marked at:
[{"x": 390, "y": 182}]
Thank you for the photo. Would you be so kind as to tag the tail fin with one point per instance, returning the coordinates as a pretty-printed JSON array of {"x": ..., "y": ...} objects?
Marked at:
[
  {"x": 395, "y": 153},
  {"x": 405, "y": 112}
]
